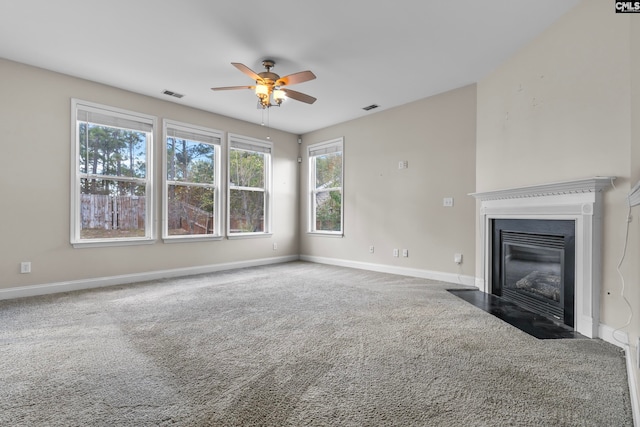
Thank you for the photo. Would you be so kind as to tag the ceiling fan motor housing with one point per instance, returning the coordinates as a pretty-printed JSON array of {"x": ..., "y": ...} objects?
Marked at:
[{"x": 267, "y": 76}]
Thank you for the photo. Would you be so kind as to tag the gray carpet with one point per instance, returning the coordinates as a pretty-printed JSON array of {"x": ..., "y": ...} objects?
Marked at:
[{"x": 295, "y": 344}]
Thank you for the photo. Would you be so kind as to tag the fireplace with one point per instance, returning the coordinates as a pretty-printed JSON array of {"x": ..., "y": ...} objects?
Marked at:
[
  {"x": 533, "y": 264},
  {"x": 577, "y": 202}
]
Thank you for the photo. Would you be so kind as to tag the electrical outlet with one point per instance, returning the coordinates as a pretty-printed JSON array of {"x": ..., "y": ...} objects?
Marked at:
[
  {"x": 25, "y": 267},
  {"x": 457, "y": 258},
  {"x": 447, "y": 202},
  {"x": 371, "y": 249},
  {"x": 403, "y": 164},
  {"x": 405, "y": 253},
  {"x": 275, "y": 246},
  {"x": 396, "y": 253}
]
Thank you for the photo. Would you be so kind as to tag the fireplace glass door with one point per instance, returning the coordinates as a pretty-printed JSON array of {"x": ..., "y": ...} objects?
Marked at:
[
  {"x": 533, "y": 265},
  {"x": 533, "y": 277}
]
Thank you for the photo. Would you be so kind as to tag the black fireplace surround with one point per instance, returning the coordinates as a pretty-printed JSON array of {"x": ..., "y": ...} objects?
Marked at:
[{"x": 533, "y": 265}]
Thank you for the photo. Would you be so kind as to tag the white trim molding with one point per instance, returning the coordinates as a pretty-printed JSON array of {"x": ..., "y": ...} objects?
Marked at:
[
  {"x": 100, "y": 282},
  {"x": 580, "y": 201},
  {"x": 401, "y": 271},
  {"x": 633, "y": 389},
  {"x": 621, "y": 339}
]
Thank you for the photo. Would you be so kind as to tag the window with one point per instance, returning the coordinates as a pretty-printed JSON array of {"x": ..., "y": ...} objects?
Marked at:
[
  {"x": 192, "y": 176},
  {"x": 249, "y": 186},
  {"x": 111, "y": 195},
  {"x": 325, "y": 183}
]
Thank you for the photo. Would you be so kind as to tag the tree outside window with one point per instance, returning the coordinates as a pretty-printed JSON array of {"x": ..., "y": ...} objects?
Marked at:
[
  {"x": 325, "y": 169},
  {"x": 249, "y": 168},
  {"x": 192, "y": 176},
  {"x": 111, "y": 185}
]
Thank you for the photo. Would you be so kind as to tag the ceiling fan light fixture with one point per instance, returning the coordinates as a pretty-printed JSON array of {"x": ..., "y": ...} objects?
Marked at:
[
  {"x": 262, "y": 91},
  {"x": 268, "y": 87},
  {"x": 279, "y": 96}
]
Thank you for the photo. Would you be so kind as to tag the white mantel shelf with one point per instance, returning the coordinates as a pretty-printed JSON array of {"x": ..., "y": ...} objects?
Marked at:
[
  {"x": 580, "y": 201},
  {"x": 587, "y": 185}
]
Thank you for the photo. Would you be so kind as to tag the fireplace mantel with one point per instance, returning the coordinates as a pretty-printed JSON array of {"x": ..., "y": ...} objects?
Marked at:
[
  {"x": 588, "y": 185},
  {"x": 578, "y": 200}
]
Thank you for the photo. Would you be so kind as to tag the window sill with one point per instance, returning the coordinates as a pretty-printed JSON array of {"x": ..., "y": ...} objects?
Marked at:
[
  {"x": 248, "y": 235},
  {"x": 185, "y": 239},
  {"x": 108, "y": 243},
  {"x": 321, "y": 234}
]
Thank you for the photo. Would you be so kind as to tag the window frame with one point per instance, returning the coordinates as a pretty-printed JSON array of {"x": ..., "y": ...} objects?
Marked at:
[
  {"x": 245, "y": 143},
  {"x": 334, "y": 145},
  {"x": 204, "y": 132},
  {"x": 116, "y": 114}
]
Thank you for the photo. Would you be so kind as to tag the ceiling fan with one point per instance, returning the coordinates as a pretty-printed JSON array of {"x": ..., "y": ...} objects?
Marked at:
[{"x": 269, "y": 87}]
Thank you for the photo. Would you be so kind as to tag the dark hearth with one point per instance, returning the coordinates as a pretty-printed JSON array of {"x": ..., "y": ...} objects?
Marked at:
[
  {"x": 527, "y": 321},
  {"x": 533, "y": 265}
]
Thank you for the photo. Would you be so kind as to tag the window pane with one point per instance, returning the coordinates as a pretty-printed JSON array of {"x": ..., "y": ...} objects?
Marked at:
[
  {"x": 111, "y": 209},
  {"x": 190, "y": 210},
  {"x": 246, "y": 211},
  {"x": 328, "y": 211},
  {"x": 329, "y": 170},
  {"x": 190, "y": 161},
  {"x": 246, "y": 168},
  {"x": 112, "y": 151},
  {"x": 111, "y": 187}
]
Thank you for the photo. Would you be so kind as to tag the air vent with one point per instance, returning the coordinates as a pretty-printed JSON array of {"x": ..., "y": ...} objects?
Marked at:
[
  {"x": 370, "y": 107},
  {"x": 172, "y": 93}
]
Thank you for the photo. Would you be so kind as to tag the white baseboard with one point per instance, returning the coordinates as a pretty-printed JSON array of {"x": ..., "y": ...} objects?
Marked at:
[
  {"x": 633, "y": 385},
  {"x": 99, "y": 282},
  {"x": 606, "y": 333},
  {"x": 621, "y": 339},
  {"x": 613, "y": 336},
  {"x": 402, "y": 271}
]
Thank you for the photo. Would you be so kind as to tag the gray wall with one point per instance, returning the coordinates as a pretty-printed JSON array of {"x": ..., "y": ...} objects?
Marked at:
[
  {"x": 392, "y": 208},
  {"x": 567, "y": 107},
  {"x": 35, "y": 124}
]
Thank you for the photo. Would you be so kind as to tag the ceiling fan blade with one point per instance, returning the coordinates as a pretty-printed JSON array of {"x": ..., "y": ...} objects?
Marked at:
[
  {"x": 295, "y": 78},
  {"x": 248, "y": 71},
  {"x": 298, "y": 96},
  {"x": 233, "y": 87}
]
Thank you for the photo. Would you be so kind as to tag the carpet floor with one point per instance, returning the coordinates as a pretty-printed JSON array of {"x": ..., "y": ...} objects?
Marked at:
[{"x": 295, "y": 344}]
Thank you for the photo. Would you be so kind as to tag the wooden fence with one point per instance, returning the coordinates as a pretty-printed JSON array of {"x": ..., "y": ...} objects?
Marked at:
[
  {"x": 188, "y": 219},
  {"x": 112, "y": 212}
]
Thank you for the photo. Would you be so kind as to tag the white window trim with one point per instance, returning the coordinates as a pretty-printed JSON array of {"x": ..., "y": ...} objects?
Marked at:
[
  {"x": 247, "y": 143},
  {"x": 74, "y": 238},
  {"x": 334, "y": 145},
  {"x": 204, "y": 131}
]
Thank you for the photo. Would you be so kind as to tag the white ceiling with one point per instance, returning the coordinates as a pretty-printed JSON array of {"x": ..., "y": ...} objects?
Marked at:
[{"x": 363, "y": 52}]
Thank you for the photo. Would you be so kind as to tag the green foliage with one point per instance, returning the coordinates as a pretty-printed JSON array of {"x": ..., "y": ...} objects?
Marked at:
[
  {"x": 246, "y": 168},
  {"x": 247, "y": 211},
  {"x": 329, "y": 170},
  {"x": 329, "y": 210},
  {"x": 111, "y": 152},
  {"x": 191, "y": 208},
  {"x": 247, "y": 202},
  {"x": 328, "y": 203},
  {"x": 190, "y": 161}
]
